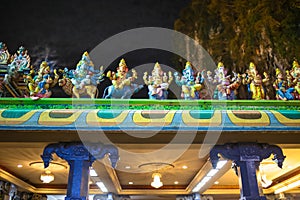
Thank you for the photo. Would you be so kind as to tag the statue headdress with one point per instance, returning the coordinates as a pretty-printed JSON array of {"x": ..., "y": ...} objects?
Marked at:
[
  {"x": 122, "y": 63},
  {"x": 157, "y": 69},
  {"x": 220, "y": 64},
  {"x": 44, "y": 64},
  {"x": 277, "y": 71},
  {"x": 85, "y": 59},
  {"x": 187, "y": 65},
  {"x": 295, "y": 64},
  {"x": 157, "y": 65},
  {"x": 21, "y": 50},
  {"x": 252, "y": 66},
  {"x": 86, "y": 54}
]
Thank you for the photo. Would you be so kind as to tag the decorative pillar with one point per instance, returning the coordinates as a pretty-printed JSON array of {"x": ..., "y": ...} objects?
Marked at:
[
  {"x": 247, "y": 157},
  {"x": 80, "y": 157}
]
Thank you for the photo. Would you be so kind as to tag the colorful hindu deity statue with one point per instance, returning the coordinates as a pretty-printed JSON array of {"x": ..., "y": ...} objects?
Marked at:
[
  {"x": 222, "y": 81},
  {"x": 122, "y": 82},
  {"x": 65, "y": 82},
  {"x": 236, "y": 81},
  {"x": 85, "y": 77},
  {"x": 17, "y": 67},
  {"x": 158, "y": 82},
  {"x": 295, "y": 71},
  {"x": 209, "y": 83},
  {"x": 31, "y": 81},
  {"x": 295, "y": 74},
  {"x": 254, "y": 82},
  {"x": 20, "y": 61},
  {"x": 189, "y": 83},
  {"x": 39, "y": 84},
  {"x": 283, "y": 91},
  {"x": 268, "y": 86}
]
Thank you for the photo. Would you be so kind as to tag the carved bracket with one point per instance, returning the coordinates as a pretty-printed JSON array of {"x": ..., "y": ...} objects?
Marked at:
[
  {"x": 239, "y": 152},
  {"x": 79, "y": 151}
]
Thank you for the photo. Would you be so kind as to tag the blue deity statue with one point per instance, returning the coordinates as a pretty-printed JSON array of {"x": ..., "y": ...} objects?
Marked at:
[
  {"x": 85, "y": 77},
  {"x": 85, "y": 73},
  {"x": 284, "y": 91},
  {"x": 190, "y": 85},
  {"x": 21, "y": 61}
]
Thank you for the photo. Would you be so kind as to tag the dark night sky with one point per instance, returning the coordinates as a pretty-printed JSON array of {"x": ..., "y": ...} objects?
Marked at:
[
  {"x": 61, "y": 30},
  {"x": 65, "y": 29}
]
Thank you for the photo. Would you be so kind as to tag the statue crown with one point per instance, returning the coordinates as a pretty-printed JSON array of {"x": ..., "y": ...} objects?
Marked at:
[{"x": 122, "y": 62}]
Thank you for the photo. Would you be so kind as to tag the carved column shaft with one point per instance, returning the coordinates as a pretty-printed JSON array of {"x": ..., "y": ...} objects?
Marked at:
[
  {"x": 250, "y": 187},
  {"x": 78, "y": 179}
]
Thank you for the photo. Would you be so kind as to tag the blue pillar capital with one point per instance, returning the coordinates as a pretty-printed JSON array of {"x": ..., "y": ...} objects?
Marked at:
[
  {"x": 80, "y": 157},
  {"x": 247, "y": 158},
  {"x": 80, "y": 151},
  {"x": 239, "y": 152}
]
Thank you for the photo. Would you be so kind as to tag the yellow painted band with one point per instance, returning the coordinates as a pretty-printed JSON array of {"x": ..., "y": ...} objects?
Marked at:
[
  {"x": 284, "y": 120},
  {"x": 46, "y": 119},
  {"x": 262, "y": 121},
  {"x": 140, "y": 120}
]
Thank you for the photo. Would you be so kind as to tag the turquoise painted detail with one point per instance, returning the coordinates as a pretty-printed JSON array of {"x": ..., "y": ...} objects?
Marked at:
[
  {"x": 14, "y": 113},
  {"x": 294, "y": 114},
  {"x": 203, "y": 114},
  {"x": 106, "y": 114}
]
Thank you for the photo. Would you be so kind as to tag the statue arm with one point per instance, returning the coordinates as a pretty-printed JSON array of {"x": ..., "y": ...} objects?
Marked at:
[
  {"x": 177, "y": 79},
  {"x": 145, "y": 78},
  {"x": 134, "y": 75},
  {"x": 55, "y": 80},
  {"x": 170, "y": 78}
]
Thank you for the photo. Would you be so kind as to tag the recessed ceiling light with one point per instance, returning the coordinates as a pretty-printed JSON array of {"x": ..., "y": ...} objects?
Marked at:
[
  {"x": 101, "y": 186},
  {"x": 212, "y": 172},
  {"x": 217, "y": 182},
  {"x": 176, "y": 182},
  {"x": 221, "y": 163},
  {"x": 19, "y": 166},
  {"x": 184, "y": 167},
  {"x": 127, "y": 167},
  {"x": 130, "y": 183},
  {"x": 93, "y": 173}
]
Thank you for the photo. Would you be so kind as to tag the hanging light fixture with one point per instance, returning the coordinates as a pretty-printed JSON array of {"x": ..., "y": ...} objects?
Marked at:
[
  {"x": 156, "y": 180},
  {"x": 47, "y": 177},
  {"x": 154, "y": 167}
]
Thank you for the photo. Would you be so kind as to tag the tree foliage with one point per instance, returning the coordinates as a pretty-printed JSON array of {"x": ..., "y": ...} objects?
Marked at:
[{"x": 237, "y": 32}]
